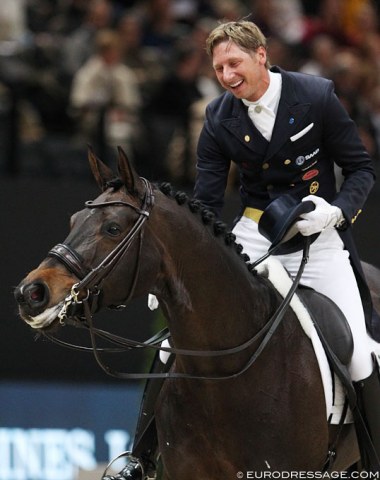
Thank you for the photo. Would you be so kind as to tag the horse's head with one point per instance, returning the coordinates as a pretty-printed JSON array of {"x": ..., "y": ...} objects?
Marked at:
[{"x": 108, "y": 229}]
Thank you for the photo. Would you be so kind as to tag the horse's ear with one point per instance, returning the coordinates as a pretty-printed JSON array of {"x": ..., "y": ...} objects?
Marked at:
[
  {"x": 128, "y": 174},
  {"x": 101, "y": 172}
]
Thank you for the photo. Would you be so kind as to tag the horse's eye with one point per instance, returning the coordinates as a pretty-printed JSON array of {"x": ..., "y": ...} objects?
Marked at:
[{"x": 113, "y": 229}]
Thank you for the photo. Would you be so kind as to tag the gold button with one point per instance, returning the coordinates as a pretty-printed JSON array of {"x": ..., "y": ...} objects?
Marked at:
[
  {"x": 265, "y": 166},
  {"x": 257, "y": 109},
  {"x": 247, "y": 138},
  {"x": 269, "y": 187},
  {"x": 287, "y": 161}
]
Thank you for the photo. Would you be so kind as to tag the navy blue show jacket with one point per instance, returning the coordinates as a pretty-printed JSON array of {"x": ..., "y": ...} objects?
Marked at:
[
  {"x": 292, "y": 162},
  {"x": 312, "y": 132}
]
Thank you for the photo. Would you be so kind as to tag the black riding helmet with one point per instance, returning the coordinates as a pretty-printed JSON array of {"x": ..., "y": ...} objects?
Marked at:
[{"x": 277, "y": 224}]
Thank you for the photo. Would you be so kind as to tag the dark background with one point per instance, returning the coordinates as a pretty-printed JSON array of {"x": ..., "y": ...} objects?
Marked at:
[{"x": 35, "y": 213}]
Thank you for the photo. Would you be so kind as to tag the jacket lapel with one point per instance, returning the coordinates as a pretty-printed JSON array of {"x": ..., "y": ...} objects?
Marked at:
[
  {"x": 289, "y": 115},
  {"x": 241, "y": 126}
]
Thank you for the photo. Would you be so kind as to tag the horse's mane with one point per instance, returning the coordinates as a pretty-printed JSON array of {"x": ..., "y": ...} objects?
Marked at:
[{"x": 209, "y": 219}]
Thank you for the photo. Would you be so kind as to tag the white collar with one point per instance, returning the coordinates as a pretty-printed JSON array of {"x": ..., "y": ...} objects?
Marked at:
[{"x": 271, "y": 96}]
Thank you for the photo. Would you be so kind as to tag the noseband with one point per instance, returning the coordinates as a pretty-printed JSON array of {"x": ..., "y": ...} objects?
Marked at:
[
  {"x": 90, "y": 279},
  {"x": 70, "y": 259}
]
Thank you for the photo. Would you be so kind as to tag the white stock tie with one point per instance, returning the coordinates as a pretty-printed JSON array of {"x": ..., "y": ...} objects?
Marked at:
[{"x": 263, "y": 119}]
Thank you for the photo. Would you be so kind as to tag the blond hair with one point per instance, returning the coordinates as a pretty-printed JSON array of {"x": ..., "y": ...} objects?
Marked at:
[{"x": 246, "y": 35}]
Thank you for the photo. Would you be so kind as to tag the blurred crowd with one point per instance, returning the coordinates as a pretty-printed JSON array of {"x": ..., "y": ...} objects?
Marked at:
[{"x": 135, "y": 73}]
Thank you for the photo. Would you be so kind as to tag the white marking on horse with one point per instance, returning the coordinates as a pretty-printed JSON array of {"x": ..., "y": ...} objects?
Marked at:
[{"x": 45, "y": 318}]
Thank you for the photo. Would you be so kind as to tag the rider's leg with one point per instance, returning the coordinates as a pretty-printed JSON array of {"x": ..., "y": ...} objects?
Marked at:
[
  {"x": 143, "y": 456},
  {"x": 329, "y": 271}
]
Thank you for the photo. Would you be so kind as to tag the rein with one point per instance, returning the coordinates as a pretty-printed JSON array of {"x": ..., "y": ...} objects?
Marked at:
[
  {"x": 268, "y": 329},
  {"x": 90, "y": 281}
]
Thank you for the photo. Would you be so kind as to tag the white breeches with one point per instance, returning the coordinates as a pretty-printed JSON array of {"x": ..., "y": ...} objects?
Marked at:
[{"x": 328, "y": 271}]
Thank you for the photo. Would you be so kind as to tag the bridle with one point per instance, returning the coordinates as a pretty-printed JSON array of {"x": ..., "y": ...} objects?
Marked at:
[
  {"x": 86, "y": 292},
  {"x": 90, "y": 279}
]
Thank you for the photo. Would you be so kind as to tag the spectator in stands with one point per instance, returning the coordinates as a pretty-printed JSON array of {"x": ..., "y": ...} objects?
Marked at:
[
  {"x": 60, "y": 37},
  {"x": 12, "y": 21},
  {"x": 330, "y": 16},
  {"x": 160, "y": 28},
  {"x": 283, "y": 53},
  {"x": 79, "y": 45},
  {"x": 105, "y": 95},
  {"x": 321, "y": 56},
  {"x": 146, "y": 64},
  {"x": 167, "y": 114},
  {"x": 207, "y": 84},
  {"x": 232, "y": 10},
  {"x": 359, "y": 19},
  {"x": 281, "y": 18},
  {"x": 349, "y": 75}
]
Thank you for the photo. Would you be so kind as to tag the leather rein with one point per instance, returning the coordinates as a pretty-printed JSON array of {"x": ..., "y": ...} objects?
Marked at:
[{"x": 90, "y": 283}]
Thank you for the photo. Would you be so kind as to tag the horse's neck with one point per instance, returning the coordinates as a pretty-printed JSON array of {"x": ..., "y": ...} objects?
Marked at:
[{"x": 206, "y": 290}]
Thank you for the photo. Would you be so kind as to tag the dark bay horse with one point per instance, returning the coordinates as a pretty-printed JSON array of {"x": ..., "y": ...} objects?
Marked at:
[{"x": 271, "y": 416}]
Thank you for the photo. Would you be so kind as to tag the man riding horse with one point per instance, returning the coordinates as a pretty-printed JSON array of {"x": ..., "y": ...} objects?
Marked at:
[{"x": 285, "y": 131}]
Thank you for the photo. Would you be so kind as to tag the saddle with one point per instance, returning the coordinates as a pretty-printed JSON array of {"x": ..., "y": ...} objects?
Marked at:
[
  {"x": 277, "y": 224},
  {"x": 331, "y": 324}
]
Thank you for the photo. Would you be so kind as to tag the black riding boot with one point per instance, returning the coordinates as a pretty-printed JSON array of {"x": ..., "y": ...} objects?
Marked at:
[
  {"x": 142, "y": 461},
  {"x": 368, "y": 398}
]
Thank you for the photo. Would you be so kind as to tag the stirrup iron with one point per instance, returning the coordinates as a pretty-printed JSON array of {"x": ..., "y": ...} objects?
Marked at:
[{"x": 130, "y": 457}]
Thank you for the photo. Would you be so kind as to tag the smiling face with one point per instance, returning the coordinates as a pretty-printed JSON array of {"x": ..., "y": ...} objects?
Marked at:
[{"x": 241, "y": 72}]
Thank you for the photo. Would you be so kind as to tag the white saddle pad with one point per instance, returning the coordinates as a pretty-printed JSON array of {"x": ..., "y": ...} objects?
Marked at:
[{"x": 334, "y": 393}]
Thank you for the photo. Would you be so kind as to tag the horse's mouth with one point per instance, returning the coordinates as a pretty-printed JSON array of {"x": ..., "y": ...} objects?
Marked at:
[{"x": 45, "y": 319}]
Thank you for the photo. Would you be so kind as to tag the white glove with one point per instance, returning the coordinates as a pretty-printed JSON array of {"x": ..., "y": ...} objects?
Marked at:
[{"x": 324, "y": 216}]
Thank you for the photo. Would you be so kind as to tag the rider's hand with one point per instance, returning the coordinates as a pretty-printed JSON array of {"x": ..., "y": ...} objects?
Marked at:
[{"x": 324, "y": 216}]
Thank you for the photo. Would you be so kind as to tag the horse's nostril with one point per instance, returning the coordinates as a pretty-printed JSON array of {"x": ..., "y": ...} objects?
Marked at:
[
  {"x": 37, "y": 293},
  {"x": 33, "y": 294}
]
